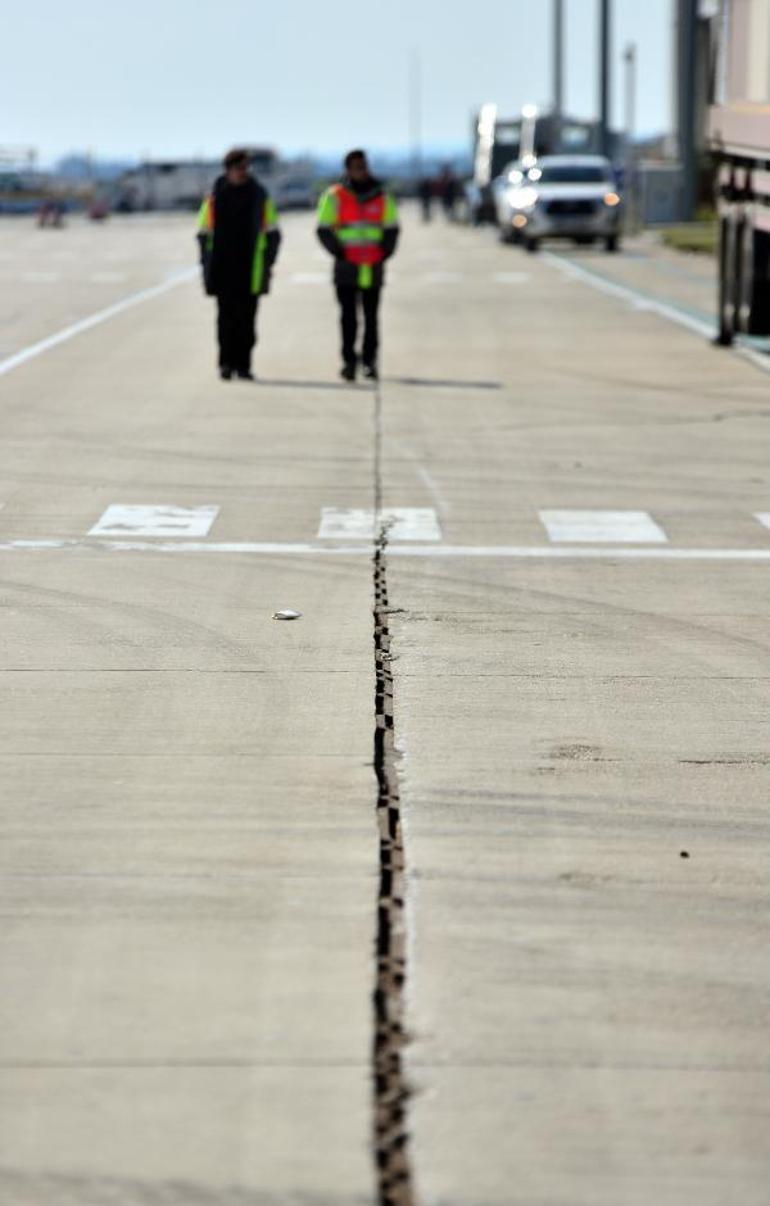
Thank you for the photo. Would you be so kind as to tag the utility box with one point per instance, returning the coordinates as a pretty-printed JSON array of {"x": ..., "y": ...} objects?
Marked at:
[{"x": 658, "y": 193}]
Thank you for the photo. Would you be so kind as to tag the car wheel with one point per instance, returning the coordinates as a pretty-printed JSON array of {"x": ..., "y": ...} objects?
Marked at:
[
  {"x": 612, "y": 242},
  {"x": 532, "y": 245}
]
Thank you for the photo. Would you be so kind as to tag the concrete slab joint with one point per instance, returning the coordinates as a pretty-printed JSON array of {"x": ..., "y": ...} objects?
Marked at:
[{"x": 391, "y": 1091}]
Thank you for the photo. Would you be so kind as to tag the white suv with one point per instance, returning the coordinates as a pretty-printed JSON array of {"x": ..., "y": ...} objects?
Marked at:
[{"x": 559, "y": 197}]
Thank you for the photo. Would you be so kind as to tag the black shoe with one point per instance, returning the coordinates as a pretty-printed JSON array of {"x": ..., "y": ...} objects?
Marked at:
[
  {"x": 245, "y": 375},
  {"x": 370, "y": 372},
  {"x": 348, "y": 372},
  {"x": 225, "y": 372}
]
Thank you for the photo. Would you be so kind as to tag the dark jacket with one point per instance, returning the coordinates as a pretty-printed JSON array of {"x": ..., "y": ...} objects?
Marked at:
[
  {"x": 346, "y": 274},
  {"x": 239, "y": 238}
]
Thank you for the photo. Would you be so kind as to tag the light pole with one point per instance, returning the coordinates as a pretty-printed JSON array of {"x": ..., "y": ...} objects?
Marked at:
[
  {"x": 558, "y": 65},
  {"x": 629, "y": 59},
  {"x": 415, "y": 112},
  {"x": 688, "y": 84},
  {"x": 604, "y": 76}
]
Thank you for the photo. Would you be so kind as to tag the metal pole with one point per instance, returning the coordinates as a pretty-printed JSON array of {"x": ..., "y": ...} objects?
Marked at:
[
  {"x": 604, "y": 76},
  {"x": 415, "y": 112},
  {"x": 558, "y": 61},
  {"x": 688, "y": 74},
  {"x": 630, "y": 114},
  {"x": 630, "y": 128}
]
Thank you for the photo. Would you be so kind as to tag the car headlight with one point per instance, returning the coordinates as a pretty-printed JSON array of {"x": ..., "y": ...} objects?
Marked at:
[{"x": 611, "y": 199}]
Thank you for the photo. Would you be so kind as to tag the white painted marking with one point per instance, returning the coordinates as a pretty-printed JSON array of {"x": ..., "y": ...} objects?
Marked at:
[
  {"x": 94, "y": 320},
  {"x": 402, "y": 523},
  {"x": 604, "y": 527},
  {"x": 310, "y": 278},
  {"x": 501, "y": 552},
  {"x": 511, "y": 278},
  {"x": 107, "y": 278},
  {"x": 764, "y": 518},
  {"x": 641, "y": 301},
  {"x": 120, "y": 520},
  {"x": 431, "y": 486},
  {"x": 40, "y": 278}
]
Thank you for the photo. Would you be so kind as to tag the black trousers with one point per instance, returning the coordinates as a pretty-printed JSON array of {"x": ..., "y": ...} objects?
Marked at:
[
  {"x": 236, "y": 330},
  {"x": 350, "y": 297}
]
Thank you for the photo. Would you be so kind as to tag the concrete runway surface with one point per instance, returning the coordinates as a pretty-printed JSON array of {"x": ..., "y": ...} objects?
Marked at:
[{"x": 466, "y": 867}]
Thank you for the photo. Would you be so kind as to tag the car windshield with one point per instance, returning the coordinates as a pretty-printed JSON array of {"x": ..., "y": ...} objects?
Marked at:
[{"x": 570, "y": 173}]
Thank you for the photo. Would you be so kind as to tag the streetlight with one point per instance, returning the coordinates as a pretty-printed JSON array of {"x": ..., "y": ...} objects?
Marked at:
[
  {"x": 558, "y": 66},
  {"x": 629, "y": 58},
  {"x": 604, "y": 76}
]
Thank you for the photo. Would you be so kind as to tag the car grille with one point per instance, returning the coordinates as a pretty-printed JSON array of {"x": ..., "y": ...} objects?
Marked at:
[{"x": 570, "y": 209}]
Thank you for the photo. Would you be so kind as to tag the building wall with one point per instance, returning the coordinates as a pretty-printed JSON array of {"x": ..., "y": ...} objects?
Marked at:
[{"x": 758, "y": 64}]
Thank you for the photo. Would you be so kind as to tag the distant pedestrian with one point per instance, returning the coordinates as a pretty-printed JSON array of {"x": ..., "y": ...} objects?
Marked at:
[
  {"x": 358, "y": 225},
  {"x": 449, "y": 189},
  {"x": 425, "y": 190},
  {"x": 239, "y": 239}
]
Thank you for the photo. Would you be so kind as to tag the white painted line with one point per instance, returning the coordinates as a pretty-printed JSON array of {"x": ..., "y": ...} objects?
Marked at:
[
  {"x": 763, "y": 517},
  {"x": 94, "y": 320},
  {"x": 310, "y": 278},
  {"x": 120, "y": 520},
  {"x": 443, "y": 278},
  {"x": 511, "y": 278},
  {"x": 642, "y": 301},
  {"x": 492, "y": 552},
  {"x": 602, "y": 527},
  {"x": 402, "y": 523},
  {"x": 40, "y": 278}
]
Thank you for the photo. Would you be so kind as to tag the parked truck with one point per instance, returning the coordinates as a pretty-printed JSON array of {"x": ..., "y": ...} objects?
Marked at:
[{"x": 739, "y": 136}]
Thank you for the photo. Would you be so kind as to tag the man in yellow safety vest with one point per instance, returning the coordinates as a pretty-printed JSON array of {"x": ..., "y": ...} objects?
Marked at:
[{"x": 358, "y": 225}]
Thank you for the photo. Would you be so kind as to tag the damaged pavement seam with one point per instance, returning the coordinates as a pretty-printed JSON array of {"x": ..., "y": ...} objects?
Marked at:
[{"x": 391, "y": 1091}]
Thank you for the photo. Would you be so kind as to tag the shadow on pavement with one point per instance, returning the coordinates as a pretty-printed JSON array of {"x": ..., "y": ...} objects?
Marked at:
[
  {"x": 289, "y": 383},
  {"x": 438, "y": 383}
]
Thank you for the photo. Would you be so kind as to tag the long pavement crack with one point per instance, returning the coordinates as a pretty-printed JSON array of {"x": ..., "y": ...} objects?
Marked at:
[{"x": 391, "y": 1090}]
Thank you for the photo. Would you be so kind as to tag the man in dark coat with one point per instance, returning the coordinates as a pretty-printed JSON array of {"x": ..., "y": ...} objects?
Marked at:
[
  {"x": 239, "y": 239},
  {"x": 358, "y": 225}
]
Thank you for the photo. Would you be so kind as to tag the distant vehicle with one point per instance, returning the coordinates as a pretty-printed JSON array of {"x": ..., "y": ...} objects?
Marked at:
[
  {"x": 500, "y": 140},
  {"x": 739, "y": 135},
  {"x": 294, "y": 192},
  {"x": 559, "y": 197}
]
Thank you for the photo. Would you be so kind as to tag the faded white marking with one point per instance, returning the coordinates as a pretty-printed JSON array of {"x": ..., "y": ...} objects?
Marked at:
[
  {"x": 40, "y": 278},
  {"x": 492, "y": 552},
  {"x": 130, "y": 520},
  {"x": 94, "y": 320},
  {"x": 640, "y": 301},
  {"x": 431, "y": 486},
  {"x": 402, "y": 523},
  {"x": 763, "y": 517},
  {"x": 602, "y": 527},
  {"x": 443, "y": 278}
]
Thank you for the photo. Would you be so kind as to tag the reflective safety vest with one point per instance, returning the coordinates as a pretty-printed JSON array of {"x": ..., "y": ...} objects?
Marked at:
[
  {"x": 206, "y": 222},
  {"x": 359, "y": 224}
]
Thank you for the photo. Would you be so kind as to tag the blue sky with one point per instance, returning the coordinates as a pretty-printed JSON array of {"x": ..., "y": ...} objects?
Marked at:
[{"x": 171, "y": 78}]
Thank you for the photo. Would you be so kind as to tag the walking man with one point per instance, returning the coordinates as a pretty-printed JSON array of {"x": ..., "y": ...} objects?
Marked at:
[
  {"x": 239, "y": 239},
  {"x": 358, "y": 225}
]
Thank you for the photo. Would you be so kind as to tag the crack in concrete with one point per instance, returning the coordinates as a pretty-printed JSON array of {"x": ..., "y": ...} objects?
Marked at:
[{"x": 391, "y": 1090}]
